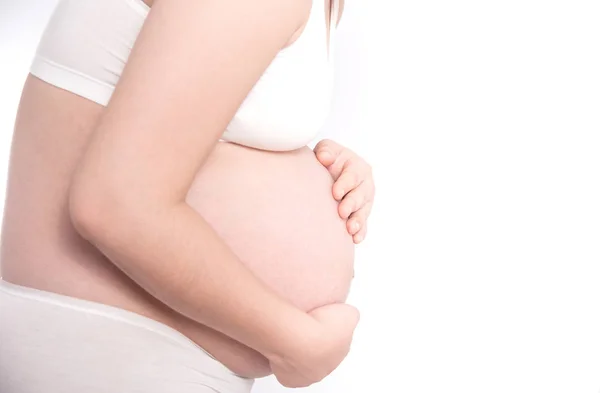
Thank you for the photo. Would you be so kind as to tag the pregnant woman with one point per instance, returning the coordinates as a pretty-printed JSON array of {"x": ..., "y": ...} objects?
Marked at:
[{"x": 166, "y": 227}]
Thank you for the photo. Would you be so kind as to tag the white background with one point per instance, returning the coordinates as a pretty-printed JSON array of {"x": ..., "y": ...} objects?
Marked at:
[{"x": 481, "y": 271}]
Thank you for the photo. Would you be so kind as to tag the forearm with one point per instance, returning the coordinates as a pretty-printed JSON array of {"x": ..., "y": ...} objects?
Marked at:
[{"x": 177, "y": 257}]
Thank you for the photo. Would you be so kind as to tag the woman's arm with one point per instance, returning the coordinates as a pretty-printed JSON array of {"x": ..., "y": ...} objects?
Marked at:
[{"x": 192, "y": 66}]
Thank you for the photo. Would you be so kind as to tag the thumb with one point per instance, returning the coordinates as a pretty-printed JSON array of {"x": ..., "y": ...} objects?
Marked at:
[
  {"x": 332, "y": 156},
  {"x": 328, "y": 151}
]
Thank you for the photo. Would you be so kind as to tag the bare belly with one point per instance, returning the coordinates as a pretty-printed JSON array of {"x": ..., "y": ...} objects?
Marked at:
[{"x": 275, "y": 211}]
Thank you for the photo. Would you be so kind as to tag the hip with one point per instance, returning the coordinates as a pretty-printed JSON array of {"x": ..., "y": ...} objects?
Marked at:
[{"x": 58, "y": 343}]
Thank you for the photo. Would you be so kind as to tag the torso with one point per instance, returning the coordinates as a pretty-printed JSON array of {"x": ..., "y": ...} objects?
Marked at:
[{"x": 275, "y": 210}]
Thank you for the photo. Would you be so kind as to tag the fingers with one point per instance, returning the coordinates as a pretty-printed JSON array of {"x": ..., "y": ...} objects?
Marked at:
[
  {"x": 328, "y": 151},
  {"x": 357, "y": 223},
  {"x": 353, "y": 186},
  {"x": 360, "y": 235},
  {"x": 356, "y": 207},
  {"x": 334, "y": 157},
  {"x": 351, "y": 178},
  {"x": 353, "y": 200}
]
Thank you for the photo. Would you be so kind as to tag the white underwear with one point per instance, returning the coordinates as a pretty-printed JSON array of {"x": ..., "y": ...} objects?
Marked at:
[{"x": 58, "y": 344}]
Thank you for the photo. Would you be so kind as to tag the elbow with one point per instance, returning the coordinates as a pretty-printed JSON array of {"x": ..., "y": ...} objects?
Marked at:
[
  {"x": 98, "y": 216},
  {"x": 87, "y": 212},
  {"x": 109, "y": 213}
]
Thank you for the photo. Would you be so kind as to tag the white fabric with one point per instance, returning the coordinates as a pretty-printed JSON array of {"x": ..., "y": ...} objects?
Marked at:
[
  {"x": 87, "y": 43},
  {"x": 51, "y": 343}
]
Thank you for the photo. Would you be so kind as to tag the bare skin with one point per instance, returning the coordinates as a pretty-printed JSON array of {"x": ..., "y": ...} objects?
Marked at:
[{"x": 275, "y": 212}]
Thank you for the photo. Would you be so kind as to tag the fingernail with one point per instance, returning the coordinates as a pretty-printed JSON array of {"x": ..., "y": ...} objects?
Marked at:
[
  {"x": 358, "y": 238},
  {"x": 341, "y": 193},
  {"x": 355, "y": 226}
]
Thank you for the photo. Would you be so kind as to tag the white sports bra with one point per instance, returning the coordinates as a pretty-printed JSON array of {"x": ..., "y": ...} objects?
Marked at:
[{"x": 86, "y": 44}]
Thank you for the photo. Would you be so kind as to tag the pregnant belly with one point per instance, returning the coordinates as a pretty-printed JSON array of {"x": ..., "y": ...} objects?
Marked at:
[{"x": 277, "y": 213}]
